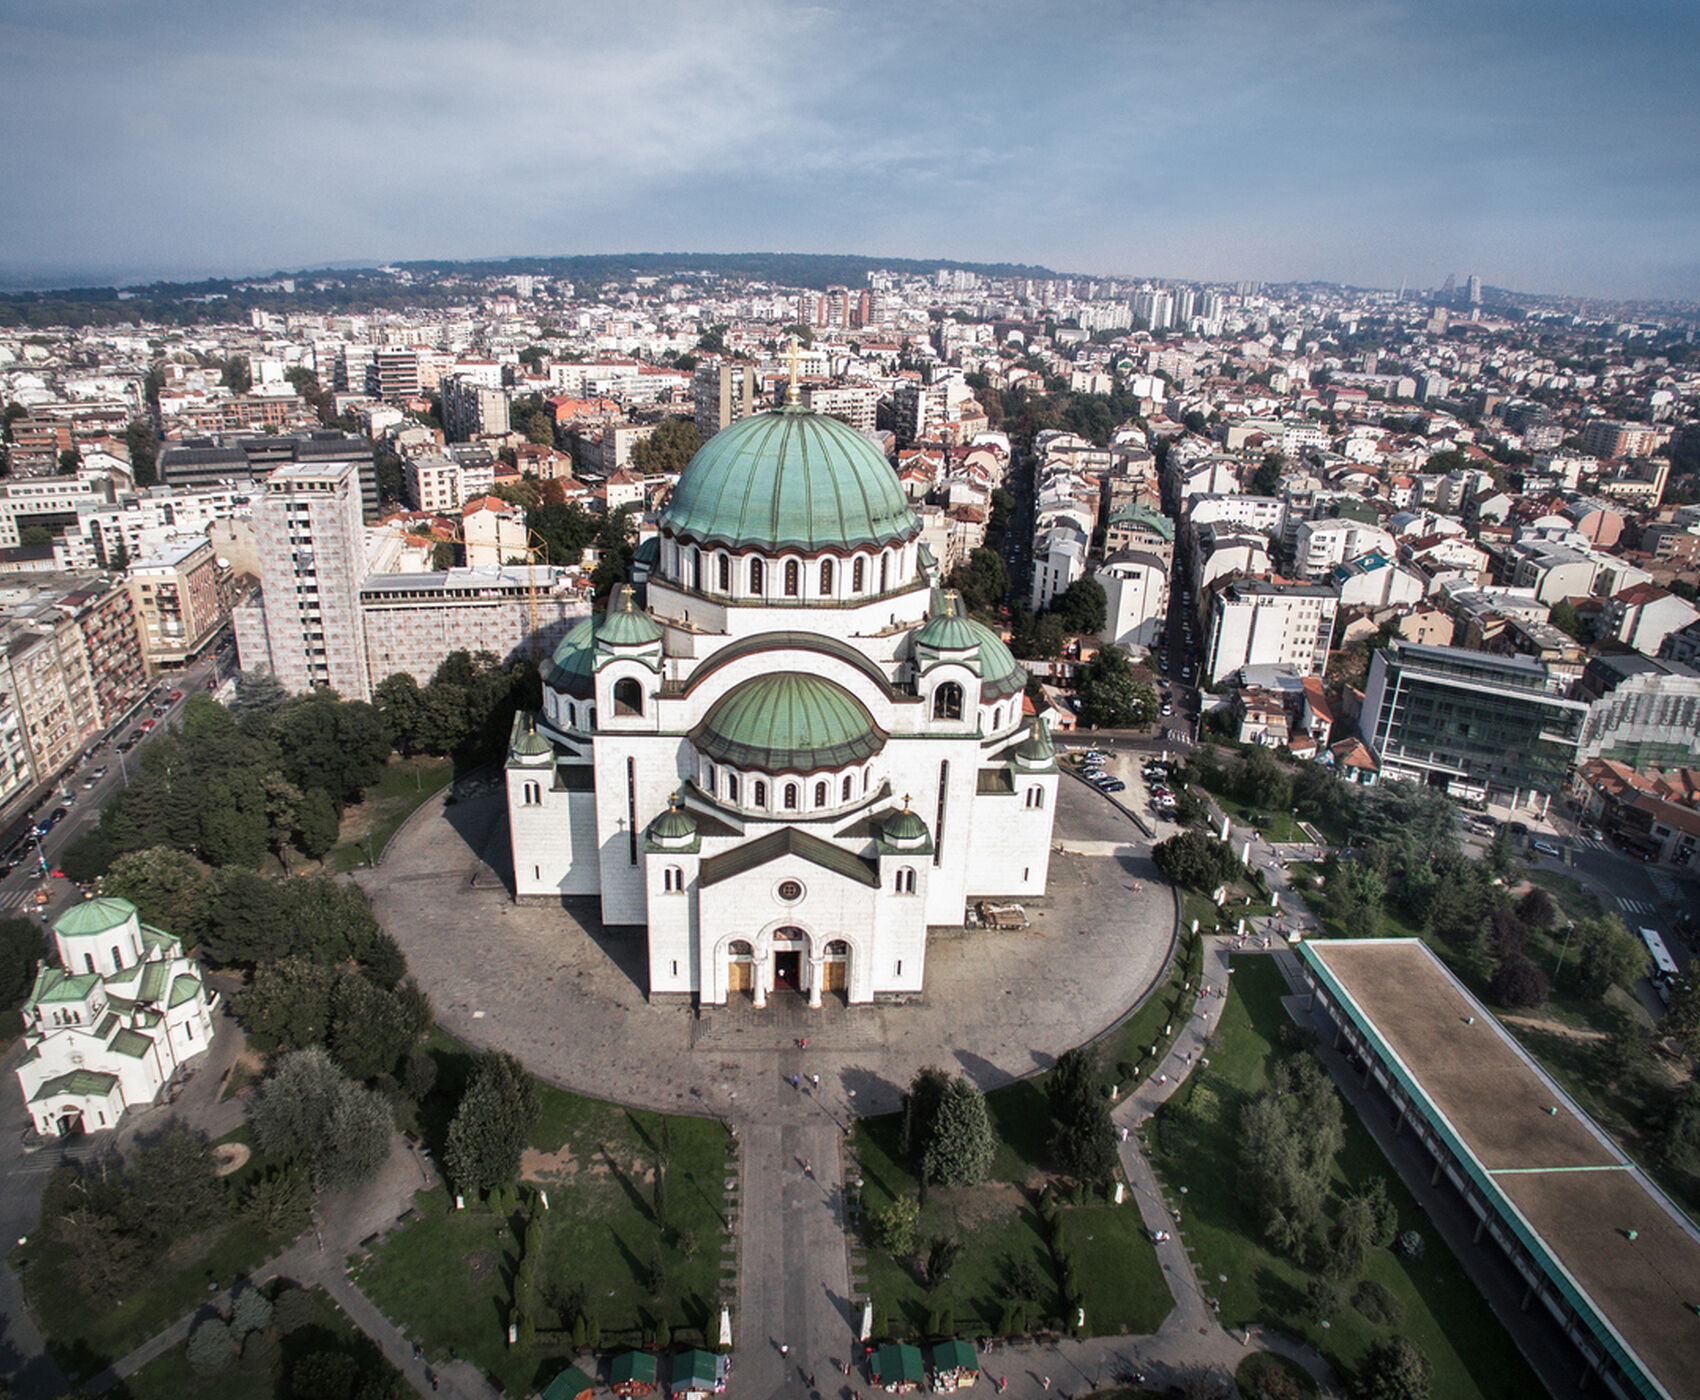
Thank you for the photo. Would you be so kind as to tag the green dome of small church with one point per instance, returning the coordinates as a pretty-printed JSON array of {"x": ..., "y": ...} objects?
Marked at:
[
  {"x": 572, "y": 667},
  {"x": 625, "y": 624},
  {"x": 789, "y": 479},
  {"x": 947, "y": 630},
  {"x": 788, "y": 723}
]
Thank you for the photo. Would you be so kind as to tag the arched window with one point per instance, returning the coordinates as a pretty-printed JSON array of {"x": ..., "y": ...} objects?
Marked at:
[
  {"x": 793, "y": 578},
  {"x": 791, "y": 797},
  {"x": 947, "y": 701},
  {"x": 589, "y": 718},
  {"x": 758, "y": 580},
  {"x": 1035, "y": 797},
  {"x": 848, "y": 788},
  {"x": 820, "y": 794},
  {"x": 740, "y": 948},
  {"x": 858, "y": 574},
  {"x": 534, "y": 794},
  {"x": 826, "y": 578},
  {"x": 761, "y": 793},
  {"x": 696, "y": 570},
  {"x": 88, "y": 961},
  {"x": 725, "y": 573},
  {"x": 838, "y": 948},
  {"x": 731, "y": 787},
  {"x": 673, "y": 880},
  {"x": 867, "y": 778},
  {"x": 997, "y": 719},
  {"x": 708, "y": 776},
  {"x": 905, "y": 880},
  {"x": 885, "y": 572},
  {"x": 628, "y": 697}
]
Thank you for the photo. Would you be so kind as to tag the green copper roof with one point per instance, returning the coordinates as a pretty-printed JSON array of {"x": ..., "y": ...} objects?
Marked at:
[
  {"x": 904, "y": 826},
  {"x": 788, "y": 723},
  {"x": 789, "y": 479},
  {"x": 569, "y": 1385},
  {"x": 1000, "y": 673},
  {"x": 632, "y": 1366},
  {"x": 53, "y": 985},
  {"x": 131, "y": 1043},
  {"x": 948, "y": 630},
  {"x": 573, "y": 666},
  {"x": 94, "y": 916},
  {"x": 182, "y": 990},
  {"x": 625, "y": 624},
  {"x": 1150, "y": 519},
  {"x": 1036, "y": 749},
  {"x": 79, "y": 1083},
  {"x": 675, "y": 824}
]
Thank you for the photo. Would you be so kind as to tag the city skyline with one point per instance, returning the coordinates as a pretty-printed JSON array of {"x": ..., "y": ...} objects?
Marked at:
[{"x": 1369, "y": 145}]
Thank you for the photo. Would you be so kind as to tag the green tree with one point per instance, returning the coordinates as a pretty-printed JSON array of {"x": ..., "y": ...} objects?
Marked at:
[
  {"x": 490, "y": 1127},
  {"x": 961, "y": 1145},
  {"x": 982, "y": 581},
  {"x": 1393, "y": 1368},
  {"x": 371, "y": 1028},
  {"x": 1565, "y": 617},
  {"x": 1267, "y": 480},
  {"x": 143, "y": 445},
  {"x": 316, "y": 824},
  {"x": 173, "y": 1186},
  {"x": 1196, "y": 860},
  {"x": 617, "y": 542},
  {"x": 668, "y": 449},
  {"x": 330, "y": 743},
  {"x": 1606, "y": 953},
  {"x": 1081, "y": 607},
  {"x": 1111, "y": 696},
  {"x": 1289, "y": 1137},
  {"x": 310, "y": 1112},
  {"x": 287, "y": 1006},
  {"x": 257, "y": 692},
  {"x": 164, "y": 885},
  {"x": 20, "y": 953},
  {"x": 1682, "y": 1015},
  {"x": 920, "y": 1110},
  {"x": 893, "y": 1228},
  {"x": 400, "y": 703},
  {"x": 277, "y": 1199}
]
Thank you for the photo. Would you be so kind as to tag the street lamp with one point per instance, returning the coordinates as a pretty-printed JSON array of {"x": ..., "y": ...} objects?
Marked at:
[{"x": 1569, "y": 928}]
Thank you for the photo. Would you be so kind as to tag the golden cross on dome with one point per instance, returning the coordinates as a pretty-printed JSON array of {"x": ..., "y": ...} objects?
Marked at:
[
  {"x": 905, "y": 802},
  {"x": 626, "y": 593},
  {"x": 950, "y": 602},
  {"x": 794, "y": 360}
]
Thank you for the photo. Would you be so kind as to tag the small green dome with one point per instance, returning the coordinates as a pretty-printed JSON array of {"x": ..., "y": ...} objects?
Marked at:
[
  {"x": 572, "y": 668},
  {"x": 789, "y": 479},
  {"x": 1000, "y": 672},
  {"x": 94, "y": 916},
  {"x": 788, "y": 723},
  {"x": 625, "y": 624},
  {"x": 946, "y": 631},
  {"x": 675, "y": 824},
  {"x": 904, "y": 826},
  {"x": 1036, "y": 750},
  {"x": 531, "y": 744}
]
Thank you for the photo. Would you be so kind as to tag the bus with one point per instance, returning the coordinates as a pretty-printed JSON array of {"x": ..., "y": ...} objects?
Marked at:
[{"x": 1662, "y": 970}]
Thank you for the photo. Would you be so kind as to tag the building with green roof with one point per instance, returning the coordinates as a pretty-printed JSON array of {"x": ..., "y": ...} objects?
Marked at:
[
  {"x": 106, "y": 1030},
  {"x": 782, "y": 750}
]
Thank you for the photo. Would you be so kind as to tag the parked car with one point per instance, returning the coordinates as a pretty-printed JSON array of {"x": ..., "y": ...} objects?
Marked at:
[
  {"x": 175, "y": 696},
  {"x": 148, "y": 724},
  {"x": 1114, "y": 785},
  {"x": 1546, "y": 848}
]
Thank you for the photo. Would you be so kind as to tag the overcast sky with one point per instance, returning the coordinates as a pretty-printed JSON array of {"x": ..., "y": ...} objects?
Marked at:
[{"x": 1550, "y": 146}]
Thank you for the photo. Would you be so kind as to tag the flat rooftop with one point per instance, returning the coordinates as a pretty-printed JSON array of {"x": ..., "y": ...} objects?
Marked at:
[{"x": 1546, "y": 1163}]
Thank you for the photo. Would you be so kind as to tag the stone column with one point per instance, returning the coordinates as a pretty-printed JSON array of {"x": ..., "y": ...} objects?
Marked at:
[
  {"x": 817, "y": 974},
  {"x": 763, "y": 969}
]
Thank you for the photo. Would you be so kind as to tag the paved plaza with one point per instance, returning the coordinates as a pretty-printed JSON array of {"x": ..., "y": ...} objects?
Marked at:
[{"x": 567, "y": 995}]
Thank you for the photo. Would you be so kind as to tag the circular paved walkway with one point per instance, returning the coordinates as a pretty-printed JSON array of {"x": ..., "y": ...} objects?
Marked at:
[{"x": 565, "y": 995}]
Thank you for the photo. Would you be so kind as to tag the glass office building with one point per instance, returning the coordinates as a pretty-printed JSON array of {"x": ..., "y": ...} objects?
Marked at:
[{"x": 1476, "y": 724}]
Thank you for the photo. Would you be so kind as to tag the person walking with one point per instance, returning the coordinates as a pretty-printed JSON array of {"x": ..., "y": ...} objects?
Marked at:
[{"x": 1047, "y": 1383}]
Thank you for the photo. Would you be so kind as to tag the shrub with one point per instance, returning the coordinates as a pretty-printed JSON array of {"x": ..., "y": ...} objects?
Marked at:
[
  {"x": 893, "y": 1228},
  {"x": 292, "y": 1309},
  {"x": 1380, "y": 1305},
  {"x": 251, "y": 1312},
  {"x": 1410, "y": 1245},
  {"x": 1518, "y": 982},
  {"x": 209, "y": 1346}
]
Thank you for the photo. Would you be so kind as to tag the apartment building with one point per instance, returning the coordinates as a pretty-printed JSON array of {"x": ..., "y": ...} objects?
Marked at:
[
  {"x": 393, "y": 374},
  {"x": 433, "y": 482},
  {"x": 722, "y": 393},
  {"x": 413, "y": 621},
  {"x": 181, "y": 593},
  {"x": 855, "y": 404},
  {"x": 493, "y": 531},
  {"x": 311, "y": 546},
  {"x": 242, "y": 461},
  {"x": 472, "y": 408},
  {"x": 1259, "y": 622}
]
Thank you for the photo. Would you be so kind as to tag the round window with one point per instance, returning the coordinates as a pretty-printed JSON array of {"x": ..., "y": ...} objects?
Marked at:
[{"x": 790, "y": 891}]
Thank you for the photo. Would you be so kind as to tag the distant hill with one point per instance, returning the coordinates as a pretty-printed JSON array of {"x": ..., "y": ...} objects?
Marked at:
[{"x": 436, "y": 282}]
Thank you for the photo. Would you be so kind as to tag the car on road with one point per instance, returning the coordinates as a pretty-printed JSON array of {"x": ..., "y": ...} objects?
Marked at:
[
  {"x": 89, "y": 782},
  {"x": 148, "y": 724},
  {"x": 127, "y": 744},
  {"x": 1166, "y": 708},
  {"x": 175, "y": 696},
  {"x": 1546, "y": 848}
]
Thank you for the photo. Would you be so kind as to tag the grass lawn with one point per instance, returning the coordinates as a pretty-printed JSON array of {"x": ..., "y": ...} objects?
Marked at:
[
  {"x": 1443, "y": 1312},
  {"x": 1117, "y": 1269},
  {"x": 264, "y": 1366},
  {"x": 1275, "y": 826},
  {"x": 85, "y": 1337},
  {"x": 1576, "y": 901},
  {"x": 406, "y": 785},
  {"x": 447, "y": 1278}
]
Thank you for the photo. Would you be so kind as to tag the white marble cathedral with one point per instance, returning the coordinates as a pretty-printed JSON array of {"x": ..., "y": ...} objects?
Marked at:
[{"x": 796, "y": 754}]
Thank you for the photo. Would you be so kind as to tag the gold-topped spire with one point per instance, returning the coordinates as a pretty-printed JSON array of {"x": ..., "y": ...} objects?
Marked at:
[
  {"x": 794, "y": 362},
  {"x": 626, "y": 595},
  {"x": 905, "y": 802},
  {"x": 950, "y": 602}
]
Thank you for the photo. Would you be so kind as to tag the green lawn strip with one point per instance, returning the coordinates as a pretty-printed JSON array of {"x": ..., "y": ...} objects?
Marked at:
[
  {"x": 1577, "y": 901},
  {"x": 1443, "y": 1312},
  {"x": 406, "y": 785},
  {"x": 1273, "y": 826},
  {"x": 261, "y": 1369},
  {"x": 447, "y": 1278},
  {"x": 996, "y": 1224},
  {"x": 1115, "y": 1264}
]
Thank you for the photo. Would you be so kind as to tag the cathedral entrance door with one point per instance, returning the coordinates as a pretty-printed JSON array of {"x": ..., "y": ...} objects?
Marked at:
[{"x": 787, "y": 970}]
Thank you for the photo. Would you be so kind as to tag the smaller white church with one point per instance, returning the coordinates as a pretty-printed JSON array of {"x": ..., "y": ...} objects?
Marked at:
[{"x": 107, "y": 1029}]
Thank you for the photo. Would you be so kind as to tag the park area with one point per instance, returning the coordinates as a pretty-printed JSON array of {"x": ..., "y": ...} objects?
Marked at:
[
  {"x": 620, "y": 1220},
  {"x": 1001, "y": 1255},
  {"x": 1196, "y": 1144}
]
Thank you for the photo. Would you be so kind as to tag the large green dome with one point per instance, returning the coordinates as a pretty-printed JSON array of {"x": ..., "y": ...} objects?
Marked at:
[
  {"x": 572, "y": 668},
  {"x": 789, "y": 479},
  {"x": 788, "y": 723},
  {"x": 1000, "y": 673}
]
